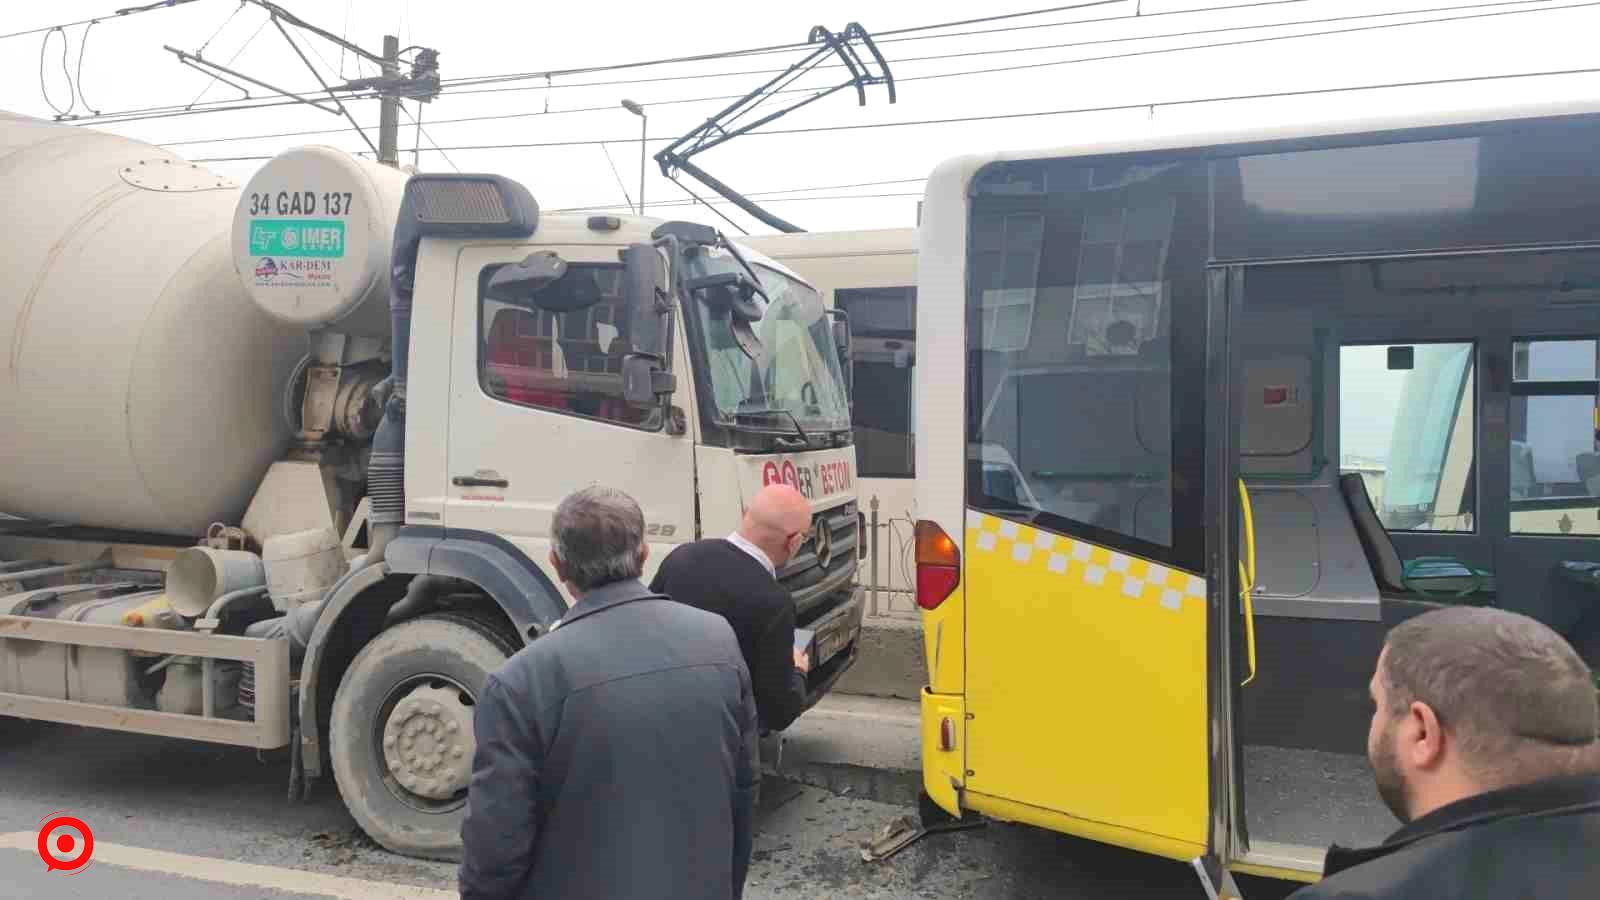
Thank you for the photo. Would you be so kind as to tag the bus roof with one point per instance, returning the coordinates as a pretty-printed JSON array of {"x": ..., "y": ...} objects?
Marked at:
[
  {"x": 814, "y": 244},
  {"x": 1262, "y": 133}
]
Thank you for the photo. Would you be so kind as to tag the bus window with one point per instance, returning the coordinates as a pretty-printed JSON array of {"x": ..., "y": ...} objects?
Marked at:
[
  {"x": 1071, "y": 299},
  {"x": 1555, "y": 466},
  {"x": 1409, "y": 432},
  {"x": 883, "y": 328}
]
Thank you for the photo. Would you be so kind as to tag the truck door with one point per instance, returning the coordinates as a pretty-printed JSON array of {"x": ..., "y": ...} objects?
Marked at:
[
  {"x": 537, "y": 411},
  {"x": 1085, "y": 586}
]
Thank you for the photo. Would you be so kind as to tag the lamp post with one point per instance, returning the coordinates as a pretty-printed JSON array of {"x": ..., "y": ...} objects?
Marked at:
[{"x": 644, "y": 131}]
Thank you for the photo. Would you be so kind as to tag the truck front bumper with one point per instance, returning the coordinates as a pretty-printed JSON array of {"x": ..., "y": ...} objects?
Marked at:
[{"x": 836, "y": 644}]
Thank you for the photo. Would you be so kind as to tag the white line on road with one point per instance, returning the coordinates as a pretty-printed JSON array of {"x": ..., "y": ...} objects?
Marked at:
[{"x": 238, "y": 874}]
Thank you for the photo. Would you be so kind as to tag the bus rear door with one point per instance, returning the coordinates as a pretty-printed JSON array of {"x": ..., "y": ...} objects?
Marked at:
[{"x": 1087, "y": 616}]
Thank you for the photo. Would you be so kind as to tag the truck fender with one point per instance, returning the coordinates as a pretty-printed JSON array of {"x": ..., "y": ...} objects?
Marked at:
[
  {"x": 340, "y": 598},
  {"x": 516, "y": 583},
  {"x": 519, "y": 587}
]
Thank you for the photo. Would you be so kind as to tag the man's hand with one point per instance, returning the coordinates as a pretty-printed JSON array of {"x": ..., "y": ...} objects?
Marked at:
[{"x": 802, "y": 660}]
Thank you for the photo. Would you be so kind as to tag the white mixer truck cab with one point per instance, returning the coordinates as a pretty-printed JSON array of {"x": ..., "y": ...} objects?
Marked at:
[{"x": 323, "y": 465}]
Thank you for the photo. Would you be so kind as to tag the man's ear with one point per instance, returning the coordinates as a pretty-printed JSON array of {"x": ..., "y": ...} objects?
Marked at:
[
  {"x": 1422, "y": 736},
  {"x": 555, "y": 563},
  {"x": 644, "y": 554}
]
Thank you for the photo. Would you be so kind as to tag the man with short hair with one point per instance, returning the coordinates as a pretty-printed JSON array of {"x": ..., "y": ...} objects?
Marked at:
[
  {"x": 736, "y": 578},
  {"x": 616, "y": 754},
  {"x": 1485, "y": 742}
]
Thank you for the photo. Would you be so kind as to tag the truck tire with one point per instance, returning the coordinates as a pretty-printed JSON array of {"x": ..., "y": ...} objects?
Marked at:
[{"x": 401, "y": 737}]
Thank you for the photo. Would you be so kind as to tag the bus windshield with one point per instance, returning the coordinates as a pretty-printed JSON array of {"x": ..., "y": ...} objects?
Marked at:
[{"x": 797, "y": 372}]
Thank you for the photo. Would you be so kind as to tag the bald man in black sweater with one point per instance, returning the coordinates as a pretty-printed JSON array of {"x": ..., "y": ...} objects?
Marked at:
[{"x": 735, "y": 577}]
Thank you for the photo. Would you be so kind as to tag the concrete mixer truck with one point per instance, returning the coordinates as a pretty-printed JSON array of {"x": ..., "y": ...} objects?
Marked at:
[{"x": 280, "y": 462}]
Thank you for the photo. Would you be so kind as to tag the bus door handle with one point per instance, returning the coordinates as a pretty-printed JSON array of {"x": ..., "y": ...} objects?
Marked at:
[
  {"x": 1247, "y": 580},
  {"x": 476, "y": 481}
]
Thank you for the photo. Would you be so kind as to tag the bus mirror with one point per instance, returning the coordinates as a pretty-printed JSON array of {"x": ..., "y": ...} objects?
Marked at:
[
  {"x": 1402, "y": 359},
  {"x": 643, "y": 381},
  {"x": 841, "y": 343},
  {"x": 645, "y": 273}
]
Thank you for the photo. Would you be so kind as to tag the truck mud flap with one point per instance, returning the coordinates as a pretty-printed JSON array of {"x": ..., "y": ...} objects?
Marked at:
[{"x": 269, "y": 729}]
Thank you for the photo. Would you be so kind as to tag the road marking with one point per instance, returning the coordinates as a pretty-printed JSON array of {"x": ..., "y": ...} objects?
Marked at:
[{"x": 238, "y": 874}]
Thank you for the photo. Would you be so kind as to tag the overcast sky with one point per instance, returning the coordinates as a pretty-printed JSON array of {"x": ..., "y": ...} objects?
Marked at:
[{"x": 125, "y": 68}]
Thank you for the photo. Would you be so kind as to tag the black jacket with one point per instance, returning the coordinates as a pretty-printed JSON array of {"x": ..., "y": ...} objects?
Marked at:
[
  {"x": 616, "y": 758},
  {"x": 716, "y": 576},
  {"x": 1537, "y": 840}
]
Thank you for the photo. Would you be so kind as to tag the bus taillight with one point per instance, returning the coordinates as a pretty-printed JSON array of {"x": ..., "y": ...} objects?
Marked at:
[{"x": 938, "y": 565}]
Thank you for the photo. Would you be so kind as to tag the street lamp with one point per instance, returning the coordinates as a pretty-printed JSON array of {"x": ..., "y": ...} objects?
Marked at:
[{"x": 644, "y": 131}]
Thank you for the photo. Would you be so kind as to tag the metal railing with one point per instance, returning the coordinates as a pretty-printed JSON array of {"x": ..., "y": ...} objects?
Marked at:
[{"x": 891, "y": 551}]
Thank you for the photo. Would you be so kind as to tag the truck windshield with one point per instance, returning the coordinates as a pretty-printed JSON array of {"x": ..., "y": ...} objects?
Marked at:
[{"x": 797, "y": 373}]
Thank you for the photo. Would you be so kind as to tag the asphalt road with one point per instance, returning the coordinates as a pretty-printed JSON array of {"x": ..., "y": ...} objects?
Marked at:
[{"x": 174, "y": 820}]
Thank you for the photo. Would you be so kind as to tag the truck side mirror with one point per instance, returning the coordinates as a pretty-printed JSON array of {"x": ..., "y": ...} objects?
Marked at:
[
  {"x": 645, "y": 276},
  {"x": 520, "y": 282},
  {"x": 643, "y": 381},
  {"x": 732, "y": 291}
]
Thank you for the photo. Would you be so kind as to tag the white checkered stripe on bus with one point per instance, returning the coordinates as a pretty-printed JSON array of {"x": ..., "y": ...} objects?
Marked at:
[{"x": 1105, "y": 570}]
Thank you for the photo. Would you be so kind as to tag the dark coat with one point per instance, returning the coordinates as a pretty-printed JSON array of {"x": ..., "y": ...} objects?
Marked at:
[
  {"x": 716, "y": 576},
  {"x": 1537, "y": 840},
  {"x": 616, "y": 758}
]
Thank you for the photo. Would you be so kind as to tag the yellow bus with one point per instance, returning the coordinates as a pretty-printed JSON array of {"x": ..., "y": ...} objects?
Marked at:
[{"x": 1200, "y": 418}]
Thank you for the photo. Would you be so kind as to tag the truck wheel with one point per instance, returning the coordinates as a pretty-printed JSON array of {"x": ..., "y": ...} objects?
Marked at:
[{"x": 401, "y": 736}]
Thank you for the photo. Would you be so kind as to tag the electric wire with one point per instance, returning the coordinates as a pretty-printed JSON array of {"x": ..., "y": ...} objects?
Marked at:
[
  {"x": 152, "y": 112},
  {"x": 121, "y": 13},
  {"x": 686, "y": 100},
  {"x": 995, "y": 117},
  {"x": 1127, "y": 55},
  {"x": 44, "y": 91}
]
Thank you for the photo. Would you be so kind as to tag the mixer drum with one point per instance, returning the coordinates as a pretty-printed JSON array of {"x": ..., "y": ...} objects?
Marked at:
[{"x": 140, "y": 388}]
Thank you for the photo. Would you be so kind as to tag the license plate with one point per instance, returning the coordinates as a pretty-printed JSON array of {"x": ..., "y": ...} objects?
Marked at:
[{"x": 836, "y": 640}]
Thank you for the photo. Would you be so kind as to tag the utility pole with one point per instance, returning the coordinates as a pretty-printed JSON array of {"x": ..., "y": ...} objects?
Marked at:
[
  {"x": 421, "y": 84},
  {"x": 389, "y": 111}
]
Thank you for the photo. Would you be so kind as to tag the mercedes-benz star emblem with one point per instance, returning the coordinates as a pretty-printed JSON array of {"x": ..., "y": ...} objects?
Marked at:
[{"x": 822, "y": 540}]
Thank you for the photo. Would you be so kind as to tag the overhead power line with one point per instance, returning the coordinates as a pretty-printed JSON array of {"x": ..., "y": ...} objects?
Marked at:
[
  {"x": 1250, "y": 41},
  {"x": 753, "y": 51},
  {"x": 770, "y": 194},
  {"x": 996, "y": 117},
  {"x": 450, "y": 91},
  {"x": 166, "y": 112},
  {"x": 121, "y": 13},
  {"x": 611, "y": 107},
  {"x": 720, "y": 201},
  {"x": 900, "y": 35},
  {"x": 913, "y": 33}
]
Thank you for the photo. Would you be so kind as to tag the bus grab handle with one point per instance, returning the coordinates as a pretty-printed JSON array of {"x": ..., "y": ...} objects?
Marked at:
[{"x": 1247, "y": 580}]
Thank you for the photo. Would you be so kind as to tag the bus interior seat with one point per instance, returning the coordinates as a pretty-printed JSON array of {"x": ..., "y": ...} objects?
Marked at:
[
  {"x": 1428, "y": 577},
  {"x": 519, "y": 342},
  {"x": 1589, "y": 472},
  {"x": 1524, "y": 480}
]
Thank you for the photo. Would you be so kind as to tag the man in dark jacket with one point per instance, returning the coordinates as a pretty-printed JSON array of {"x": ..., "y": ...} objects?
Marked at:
[
  {"x": 1485, "y": 742},
  {"x": 616, "y": 754},
  {"x": 736, "y": 578}
]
